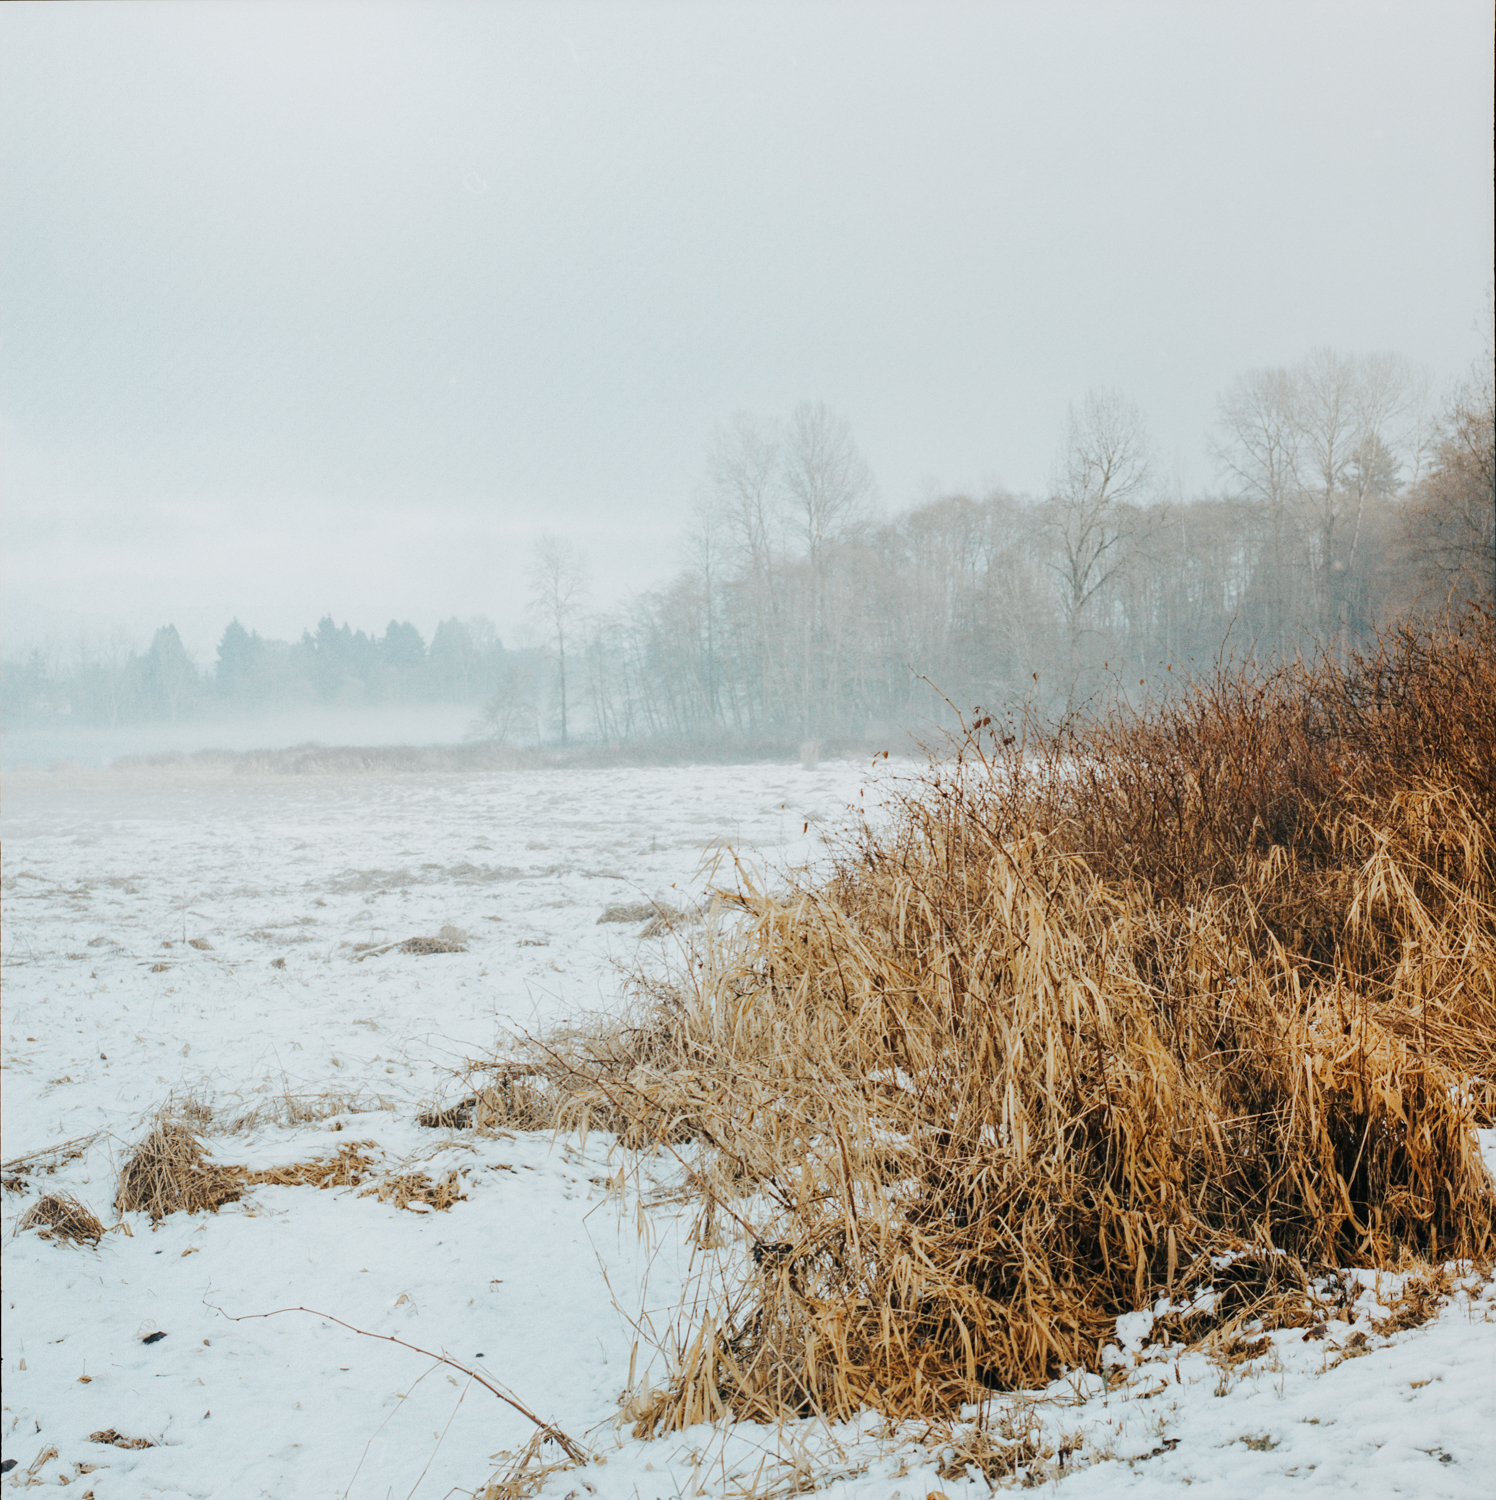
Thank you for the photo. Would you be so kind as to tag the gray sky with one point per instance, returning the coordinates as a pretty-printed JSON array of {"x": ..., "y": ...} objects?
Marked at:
[{"x": 316, "y": 307}]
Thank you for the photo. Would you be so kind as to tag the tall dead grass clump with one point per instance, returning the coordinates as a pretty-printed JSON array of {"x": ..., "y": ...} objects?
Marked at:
[
  {"x": 1084, "y": 1017},
  {"x": 171, "y": 1172},
  {"x": 61, "y": 1217}
]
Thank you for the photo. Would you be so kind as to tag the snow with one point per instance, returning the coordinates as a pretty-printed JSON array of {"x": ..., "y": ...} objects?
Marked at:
[{"x": 539, "y": 1276}]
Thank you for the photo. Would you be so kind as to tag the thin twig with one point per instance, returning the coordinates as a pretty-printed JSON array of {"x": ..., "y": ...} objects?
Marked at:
[{"x": 549, "y": 1429}]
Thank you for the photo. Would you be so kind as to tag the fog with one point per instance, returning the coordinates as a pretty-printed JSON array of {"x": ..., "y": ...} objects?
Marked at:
[
  {"x": 94, "y": 747},
  {"x": 327, "y": 311}
]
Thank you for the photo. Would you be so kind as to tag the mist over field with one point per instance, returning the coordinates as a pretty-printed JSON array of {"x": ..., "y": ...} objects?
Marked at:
[{"x": 566, "y": 374}]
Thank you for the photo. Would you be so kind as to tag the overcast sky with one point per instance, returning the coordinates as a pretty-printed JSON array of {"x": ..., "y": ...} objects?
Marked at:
[{"x": 333, "y": 307}]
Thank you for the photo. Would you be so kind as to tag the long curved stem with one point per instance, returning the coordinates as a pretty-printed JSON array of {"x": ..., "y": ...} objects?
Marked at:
[{"x": 549, "y": 1429}]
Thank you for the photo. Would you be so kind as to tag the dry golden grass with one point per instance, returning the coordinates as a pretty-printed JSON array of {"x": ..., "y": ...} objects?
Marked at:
[
  {"x": 170, "y": 1172},
  {"x": 525, "y": 1472},
  {"x": 1087, "y": 1015},
  {"x": 1419, "y": 1298},
  {"x": 60, "y": 1216},
  {"x": 289, "y": 1110},
  {"x": 418, "y": 1190},
  {"x": 115, "y": 1439},
  {"x": 17, "y": 1172},
  {"x": 350, "y": 1167},
  {"x": 509, "y": 1095}
]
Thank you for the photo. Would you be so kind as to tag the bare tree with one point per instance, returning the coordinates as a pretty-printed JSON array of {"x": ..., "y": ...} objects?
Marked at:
[
  {"x": 511, "y": 712},
  {"x": 1450, "y": 524},
  {"x": 825, "y": 486},
  {"x": 1354, "y": 411},
  {"x": 558, "y": 584},
  {"x": 1315, "y": 445},
  {"x": 1103, "y": 473},
  {"x": 115, "y": 657},
  {"x": 742, "y": 468},
  {"x": 743, "y": 482},
  {"x": 825, "y": 479},
  {"x": 704, "y": 557},
  {"x": 1259, "y": 450}
]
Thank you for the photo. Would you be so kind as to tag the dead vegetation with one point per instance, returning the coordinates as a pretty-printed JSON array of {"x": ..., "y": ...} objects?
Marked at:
[
  {"x": 457, "y": 1116},
  {"x": 659, "y": 917},
  {"x": 994, "y": 1453},
  {"x": 289, "y": 1110},
  {"x": 1199, "y": 998},
  {"x": 629, "y": 911},
  {"x": 352, "y": 1166},
  {"x": 514, "y": 1095},
  {"x": 18, "y": 1171},
  {"x": 524, "y": 1473},
  {"x": 419, "y": 1191},
  {"x": 114, "y": 1439},
  {"x": 1419, "y": 1298},
  {"x": 172, "y": 1170},
  {"x": 448, "y": 940},
  {"x": 439, "y": 944},
  {"x": 60, "y": 1216}
]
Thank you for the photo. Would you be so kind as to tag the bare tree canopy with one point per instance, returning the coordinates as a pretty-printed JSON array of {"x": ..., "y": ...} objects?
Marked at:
[
  {"x": 557, "y": 577},
  {"x": 1102, "y": 472},
  {"x": 1449, "y": 530},
  {"x": 825, "y": 479}
]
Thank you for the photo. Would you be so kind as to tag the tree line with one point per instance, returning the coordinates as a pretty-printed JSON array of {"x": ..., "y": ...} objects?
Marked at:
[
  {"x": 1350, "y": 496},
  {"x": 108, "y": 682}
]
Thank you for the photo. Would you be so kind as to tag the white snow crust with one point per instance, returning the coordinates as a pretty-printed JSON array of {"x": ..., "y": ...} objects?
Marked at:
[{"x": 539, "y": 1276}]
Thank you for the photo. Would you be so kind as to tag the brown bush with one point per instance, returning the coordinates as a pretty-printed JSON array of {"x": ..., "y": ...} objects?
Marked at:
[{"x": 1215, "y": 980}]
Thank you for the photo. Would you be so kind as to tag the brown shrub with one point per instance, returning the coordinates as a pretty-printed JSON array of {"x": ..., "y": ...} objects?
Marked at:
[{"x": 1078, "y": 1028}]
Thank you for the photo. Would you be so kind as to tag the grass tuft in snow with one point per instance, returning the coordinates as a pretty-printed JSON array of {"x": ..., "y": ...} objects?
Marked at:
[
  {"x": 171, "y": 1172},
  {"x": 61, "y": 1217}
]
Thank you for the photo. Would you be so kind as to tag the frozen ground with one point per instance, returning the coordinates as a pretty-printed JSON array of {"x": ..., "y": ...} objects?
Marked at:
[{"x": 536, "y": 1275}]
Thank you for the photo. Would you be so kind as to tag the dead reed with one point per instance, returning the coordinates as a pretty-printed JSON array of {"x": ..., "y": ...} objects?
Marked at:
[
  {"x": 16, "y": 1173},
  {"x": 171, "y": 1172},
  {"x": 116, "y": 1439},
  {"x": 350, "y": 1167},
  {"x": 1092, "y": 1018},
  {"x": 418, "y": 1190},
  {"x": 289, "y": 1110},
  {"x": 60, "y": 1216}
]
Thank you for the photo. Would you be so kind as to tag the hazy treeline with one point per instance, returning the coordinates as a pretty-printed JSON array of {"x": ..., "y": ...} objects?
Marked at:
[
  {"x": 1351, "y": 496},
  {"x": 109, "y": 682}
]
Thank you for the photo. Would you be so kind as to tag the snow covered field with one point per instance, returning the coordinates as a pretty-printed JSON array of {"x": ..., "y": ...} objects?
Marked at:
[{"x": 194, "y": 931}]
